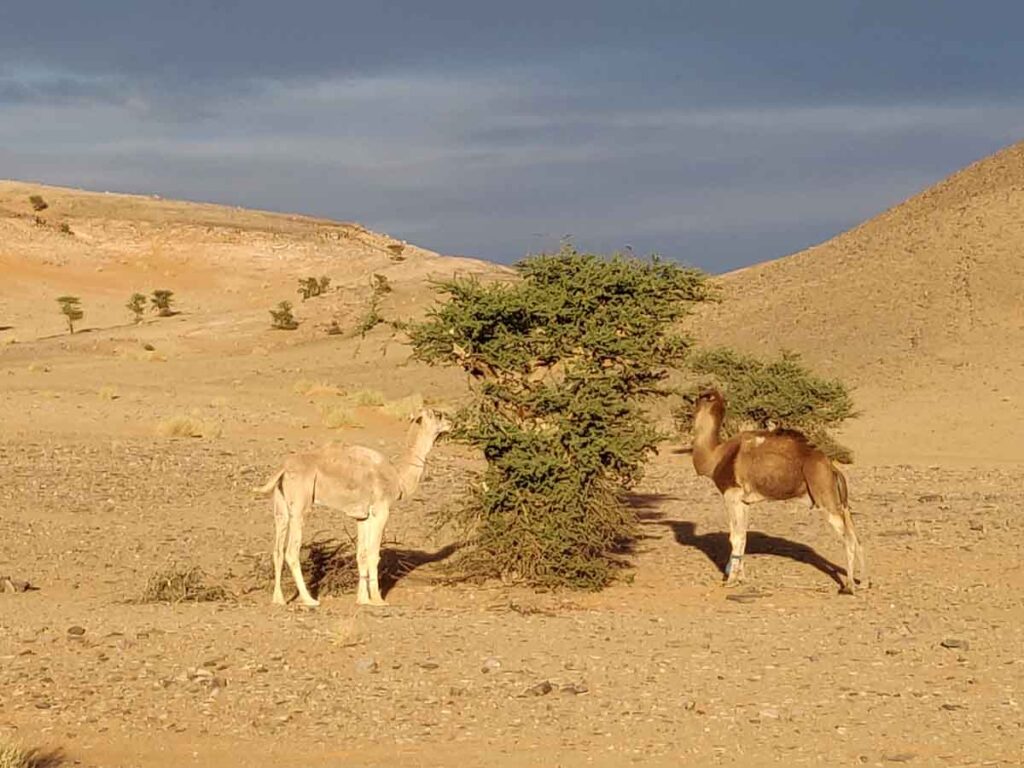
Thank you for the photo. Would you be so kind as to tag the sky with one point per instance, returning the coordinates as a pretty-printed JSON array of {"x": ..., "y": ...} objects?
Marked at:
[{"x": 716, "y": 133}]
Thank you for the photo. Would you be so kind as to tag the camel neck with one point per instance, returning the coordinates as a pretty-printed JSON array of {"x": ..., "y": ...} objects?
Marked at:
[
  {"x": 414, "y": 462},
  {"x": 706, "y": 440}
]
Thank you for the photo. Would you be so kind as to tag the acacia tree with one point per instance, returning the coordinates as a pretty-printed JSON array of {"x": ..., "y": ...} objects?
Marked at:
[
  {"x": 162, "y": 299},
  {"x": 137, "y": 306},
  {"x": 70, "y": 307},
  {"x": 563, "y": 359}
]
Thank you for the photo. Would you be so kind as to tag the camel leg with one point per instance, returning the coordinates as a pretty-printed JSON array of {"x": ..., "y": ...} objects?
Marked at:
[
  {"x": 737, "y": 511},
  {"x": 280, "y": 537},
  {"x": 376, "y": 524},
  {"x": 362, "y": 534},
  {"x": 291, "y": 554},
  {"x": 848, "y": 530},
  {"x": 849, "y": 538}
]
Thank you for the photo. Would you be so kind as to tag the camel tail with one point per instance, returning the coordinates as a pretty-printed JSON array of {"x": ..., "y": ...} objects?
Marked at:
[
  {"x": 272, "y": 483},
  {"x": 844, "y": 493}
]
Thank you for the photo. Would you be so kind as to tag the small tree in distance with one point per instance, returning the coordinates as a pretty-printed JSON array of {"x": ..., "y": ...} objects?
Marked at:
[
  {"x": 282, "y": 317},
  {"x": 70, "y": 307},
  {"x": 162, "y": 300},
  {"x": 37, "y": 202},
  {"x": 137, "y": 306}
]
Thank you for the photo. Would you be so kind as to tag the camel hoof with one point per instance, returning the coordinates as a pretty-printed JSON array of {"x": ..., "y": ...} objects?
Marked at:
[
  {"x": 846, "y": 589},
  {"x": 277, "y": 600},
  {"x": 311, "y": 603}
]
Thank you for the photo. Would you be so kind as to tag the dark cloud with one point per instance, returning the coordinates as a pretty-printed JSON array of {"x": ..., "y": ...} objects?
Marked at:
[{"x": 722, "y": 133}]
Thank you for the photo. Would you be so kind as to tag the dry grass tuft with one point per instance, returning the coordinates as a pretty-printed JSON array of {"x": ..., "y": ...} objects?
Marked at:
[
  {"x": 316, "y": 389},
  {"x": 108, "y": 393},
  {"x": 182, "y": 584},
  {"x": 15, "y": 756},
  {"x": 404, "y": 407},
  {"x": 187, "y": 426},
  {"x": 367, "y": 397},
  {"x": 338, "y": 417}
]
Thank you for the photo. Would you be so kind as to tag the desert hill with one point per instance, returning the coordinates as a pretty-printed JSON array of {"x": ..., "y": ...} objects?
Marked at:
[
  {"x": 921, "y": 307},
  {"x": 217, "y": 259},
  {"x": 218, "y": 360}
]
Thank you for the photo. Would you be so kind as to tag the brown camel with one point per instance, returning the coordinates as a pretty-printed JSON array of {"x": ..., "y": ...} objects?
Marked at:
[
  {"x": 356, "y": 480},
  {"x": 769, "y": 465}
]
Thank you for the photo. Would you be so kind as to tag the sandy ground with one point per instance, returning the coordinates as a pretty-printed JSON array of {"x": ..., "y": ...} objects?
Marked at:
[{"x": 924, "y": 668}]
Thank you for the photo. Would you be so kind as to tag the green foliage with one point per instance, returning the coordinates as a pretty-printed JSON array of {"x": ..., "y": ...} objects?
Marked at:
[
  {"x": 563, "y": 359},
  {"x": 310, "y": 287},
  {"x": 37, "y": 202},
  {"x": 282, "y": 317},
  {"x": 772, "y": 393},
  {"x": 380, "y": 286},
  {"x": 137, "y": 305},
  {"x": 162, "y": 300},
  {"x": 70, "y": 307}
]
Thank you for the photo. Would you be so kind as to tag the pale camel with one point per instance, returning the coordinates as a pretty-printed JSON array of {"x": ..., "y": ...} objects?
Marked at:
[
  {"x": 358, "y": 481},
  {"x": 769, "y": 465}
]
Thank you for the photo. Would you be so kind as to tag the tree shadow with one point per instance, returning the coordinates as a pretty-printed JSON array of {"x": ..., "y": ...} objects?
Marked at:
[
  {"x": 330, "y": 565},
  {"x": 717, "y": 548}
]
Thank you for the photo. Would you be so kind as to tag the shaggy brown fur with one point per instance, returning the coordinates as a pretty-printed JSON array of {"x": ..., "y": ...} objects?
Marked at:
[{"x": 769, "y": 465}]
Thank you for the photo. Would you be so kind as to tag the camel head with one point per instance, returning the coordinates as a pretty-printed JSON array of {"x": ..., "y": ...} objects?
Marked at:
[
  {"x": 432, "y": 422},
  {"x": 710, "y": 403}
]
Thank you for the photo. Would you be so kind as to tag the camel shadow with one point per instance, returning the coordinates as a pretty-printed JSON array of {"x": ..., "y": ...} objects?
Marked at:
[
  {"x": 330, "y": 565},
  {"x": 717, "y": 548}
]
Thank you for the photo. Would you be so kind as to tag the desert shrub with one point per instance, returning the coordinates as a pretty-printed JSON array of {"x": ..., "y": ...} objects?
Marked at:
[
  {"x": 282, "y": 317},
  {"x": 781, "y": 392},
  {"x": 65, "y": 228},
  {"x": 162, "y": 299},
  {"x": 395, "y": 251},
  {"x": 182, "y": 584},
  {"x": 310, "y": 287},
  {"x": 13, "y": 755},
  {"x": 563, "y": 360},
  {"x": 137, "y": 306},
  {"x": 70, "y": 307},
  {"x": 37, "y": 202},
  {"x": 380, "y": 286},
  {"x": 187, "y": 426}
]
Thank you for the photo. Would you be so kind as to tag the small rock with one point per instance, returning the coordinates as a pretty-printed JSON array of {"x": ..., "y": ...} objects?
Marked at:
[
  {"x": 929, "y": 497},
  {"x": 953, "y": 642},
  {"x": 76, "y": 631},
  {"x": 491, "y": 664},
  {"x": 366, "y": 665},
  {"x": 899, "y": 757},
  {"x": 542, "y": 688},
  {"x": 575, "y": 688},
  {"x": 769, "y": 713},
  {"x": 428, "y": 665}
]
